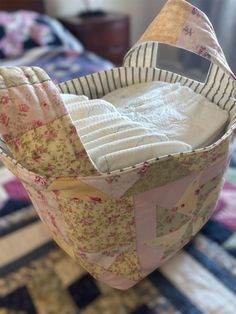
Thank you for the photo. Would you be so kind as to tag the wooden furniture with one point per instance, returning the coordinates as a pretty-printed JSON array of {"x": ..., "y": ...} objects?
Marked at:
[
  {"x": 107, "y": 35},
  {"x": 13, "y": 5}
]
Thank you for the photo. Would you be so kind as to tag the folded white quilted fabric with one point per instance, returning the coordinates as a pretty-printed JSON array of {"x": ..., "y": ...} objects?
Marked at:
[
  {"x": 174, "y": 110},
  {"x": 144, "y": 121}
]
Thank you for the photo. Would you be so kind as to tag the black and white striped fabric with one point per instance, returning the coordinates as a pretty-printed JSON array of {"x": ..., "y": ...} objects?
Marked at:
[{"x": 140, "y": 66}]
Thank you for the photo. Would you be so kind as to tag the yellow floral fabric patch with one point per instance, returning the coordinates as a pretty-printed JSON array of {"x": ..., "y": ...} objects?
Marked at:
[
  {"x": 127, "y": 265},
  {"x": 52, "y": 150},
  {"x": 98, "y": 225},
  {"x": 167, "y": 26}
]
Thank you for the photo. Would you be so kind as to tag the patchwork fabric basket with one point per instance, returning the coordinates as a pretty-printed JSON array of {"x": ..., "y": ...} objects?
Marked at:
[{"x": 119, "y": 226}]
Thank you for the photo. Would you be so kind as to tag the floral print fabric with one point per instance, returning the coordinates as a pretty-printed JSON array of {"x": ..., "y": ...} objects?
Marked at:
[
  {"x": 52, "y": 150},
  {"x": 36, "y": 127},
  {"x": 28, "y": 100},
  {"x": 182, "y": 25},
  {"x": 118, "y": 226}
]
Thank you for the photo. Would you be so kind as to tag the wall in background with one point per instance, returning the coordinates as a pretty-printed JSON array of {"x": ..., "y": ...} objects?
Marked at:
[{"x": 141, "y": 12}]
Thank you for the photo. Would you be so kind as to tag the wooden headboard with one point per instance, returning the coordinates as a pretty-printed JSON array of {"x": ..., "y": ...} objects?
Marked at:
[{"x": 13, "y": 5}]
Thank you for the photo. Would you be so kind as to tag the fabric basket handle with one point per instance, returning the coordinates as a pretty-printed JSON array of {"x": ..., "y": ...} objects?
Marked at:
[{"x": 182, "y": 25}]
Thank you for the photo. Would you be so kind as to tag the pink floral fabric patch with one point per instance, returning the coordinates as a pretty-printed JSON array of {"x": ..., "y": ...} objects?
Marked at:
[{"x": 31, "y": 101}]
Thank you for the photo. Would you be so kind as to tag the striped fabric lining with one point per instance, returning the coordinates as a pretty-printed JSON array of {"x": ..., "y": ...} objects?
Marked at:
[
  {"x": 145, "y": 55},
  {"x": 218, "y": 88},
  {"x": 104, "y": 82}
]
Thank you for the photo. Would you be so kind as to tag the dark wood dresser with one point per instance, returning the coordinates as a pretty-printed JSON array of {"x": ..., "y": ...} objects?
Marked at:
[{"x": 107, "y": 35}]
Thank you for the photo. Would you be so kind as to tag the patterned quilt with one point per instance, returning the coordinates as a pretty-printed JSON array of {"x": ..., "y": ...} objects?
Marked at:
[{"x": 63, "y": 65}]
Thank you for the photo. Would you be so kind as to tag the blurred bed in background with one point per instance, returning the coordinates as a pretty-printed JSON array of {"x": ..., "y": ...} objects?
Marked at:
[
  {"x": 35, "y": 275},
  {"x": 31, "y": 38}
]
